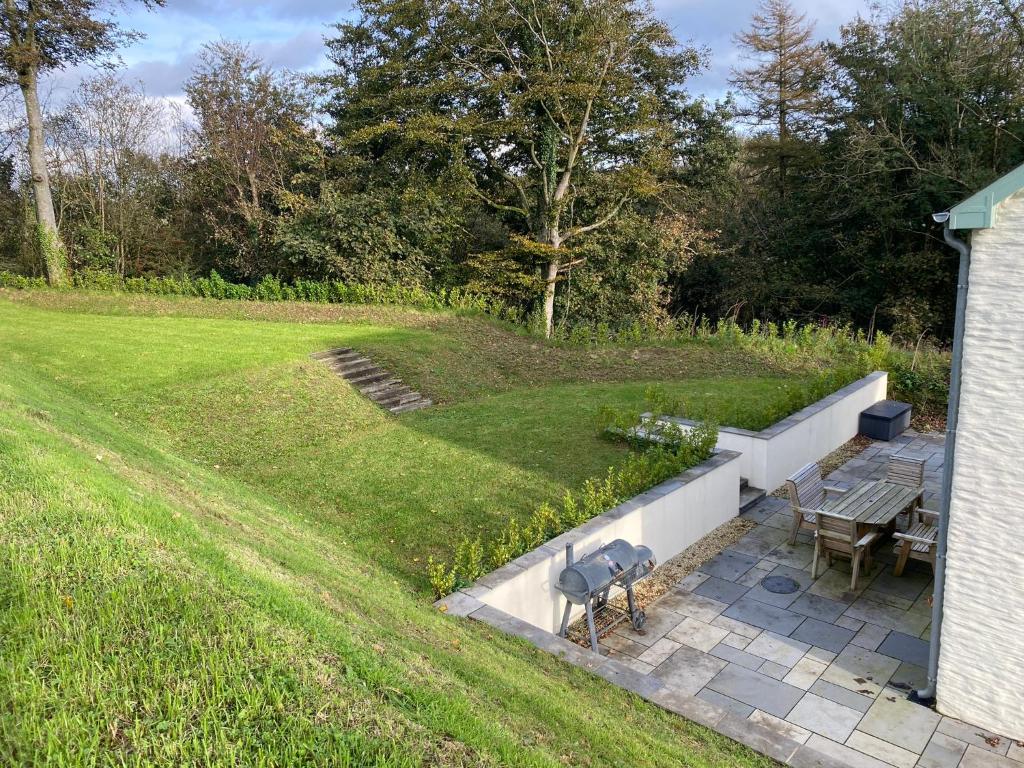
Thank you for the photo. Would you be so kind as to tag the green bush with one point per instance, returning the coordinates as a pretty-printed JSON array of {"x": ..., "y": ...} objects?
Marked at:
[{"x": 636, "y": 474}]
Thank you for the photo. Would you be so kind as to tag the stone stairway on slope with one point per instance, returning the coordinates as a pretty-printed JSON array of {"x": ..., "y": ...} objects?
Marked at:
[{"x": 373, "y": 381}]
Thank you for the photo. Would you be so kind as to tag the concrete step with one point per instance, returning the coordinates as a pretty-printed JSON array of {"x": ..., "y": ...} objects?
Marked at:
[
  {"x": 749, "y": 496},
  {"x": 415, "y": 405}
]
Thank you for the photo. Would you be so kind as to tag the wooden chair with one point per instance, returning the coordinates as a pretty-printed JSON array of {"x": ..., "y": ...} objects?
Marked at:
[
  {"x": 807, "y": 494},
  {"x": 903, "y": 470},
  {"x": 837, "y": 535},
  {"x": 918, "y": 543}
]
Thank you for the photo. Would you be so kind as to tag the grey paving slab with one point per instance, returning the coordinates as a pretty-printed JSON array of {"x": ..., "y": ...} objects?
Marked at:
[
  {"x": 689, "y": 604},
  {"x": 818, "y": 607},
  {"x": 898, "y": 721},
  {"x": 737, "y": 656},
  {"x": 908, "y": 586},
  {"x": 757, "y": 690},
  {"x": 883, "y": 750},
  {"x": 737, "y": 708},
  {"x": 909, "y": 677},
  {"x": 778, "y": 648},
  {"x": 976, "y": 757},
  {"x": 762, "y": 595},
  {"x": 797, "y": 555},
  {"x": 753, "y": 577},
  {"x": 759, "y": 512},
  {"x": 842, "y": 695},
  {"x": 942, "y": 752},
  {"x": 729, "y": 565},
  {"x": 774, "y": 671},
  {"x": 659, "y": 624},
  {"x": 824, "y": 717},
  {"x": 688, "y": 670},
  {"x": 720, "y": 589},
  {"x": 769, "y": 617},
  {"x": 825, "y": 753},
  {"x": 971, "y": 734},
  {"x": 912, "y": 650},
  {"x": 870, "y": 636},
  {"x": 822, "y": 634},
  {"x": 860, "y": 670}
]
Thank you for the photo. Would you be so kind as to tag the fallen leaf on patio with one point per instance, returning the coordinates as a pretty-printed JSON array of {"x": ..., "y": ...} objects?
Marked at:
[
  {"x": 859, "y": 680},
  {"x": 992, "y": 741}
]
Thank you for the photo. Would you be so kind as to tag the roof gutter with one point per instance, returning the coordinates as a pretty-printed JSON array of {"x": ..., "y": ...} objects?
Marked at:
[{"x": 927, "y": 695}]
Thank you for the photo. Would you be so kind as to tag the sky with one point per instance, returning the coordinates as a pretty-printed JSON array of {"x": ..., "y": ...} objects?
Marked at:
[{"x": 289, "y": 34}]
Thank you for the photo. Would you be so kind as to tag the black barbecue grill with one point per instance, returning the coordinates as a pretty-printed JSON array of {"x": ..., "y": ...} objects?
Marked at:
[{"x": 589, "y": 581}]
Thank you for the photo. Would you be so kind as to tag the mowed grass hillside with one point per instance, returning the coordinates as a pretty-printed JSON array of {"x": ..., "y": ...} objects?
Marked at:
[
  {"x": 514, "y": 426},
  {"x": 190, "y": 572}
]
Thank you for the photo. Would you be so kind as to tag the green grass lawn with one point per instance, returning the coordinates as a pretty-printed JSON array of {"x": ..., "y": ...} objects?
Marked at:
[{"x": 212, "y": 550}]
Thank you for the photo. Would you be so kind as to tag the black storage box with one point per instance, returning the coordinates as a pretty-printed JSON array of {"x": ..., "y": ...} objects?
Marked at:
[{"x": 885, "y": 420}]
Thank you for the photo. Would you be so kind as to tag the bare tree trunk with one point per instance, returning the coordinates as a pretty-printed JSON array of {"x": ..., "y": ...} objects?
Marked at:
[
  {"x": 52, "y": 247},
  {"x": 549, "y": 297}
]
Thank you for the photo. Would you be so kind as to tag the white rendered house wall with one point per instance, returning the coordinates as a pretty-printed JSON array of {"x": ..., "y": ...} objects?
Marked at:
[{"x": 981, "y": 661}]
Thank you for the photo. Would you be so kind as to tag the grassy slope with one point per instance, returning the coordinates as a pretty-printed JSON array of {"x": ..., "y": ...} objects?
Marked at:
[
  {"x": 242, "y": 397},
  {"x": 156, "y": 608}
]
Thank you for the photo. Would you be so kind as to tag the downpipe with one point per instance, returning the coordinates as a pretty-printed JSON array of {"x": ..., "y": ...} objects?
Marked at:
[{"x": 927, "y": 695}]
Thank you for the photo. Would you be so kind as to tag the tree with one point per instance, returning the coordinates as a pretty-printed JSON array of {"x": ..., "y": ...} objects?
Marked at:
[
  {"x": 249, "y": 135},
  {"x": 559, "y": 115},
  {"x": 110, "y": 177},
  {"x": 781, "y": 84},
  {"x": 37, "y": 36}
]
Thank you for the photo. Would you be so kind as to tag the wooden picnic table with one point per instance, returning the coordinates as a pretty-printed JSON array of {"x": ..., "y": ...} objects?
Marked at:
[{"x": 875, "y": 503}]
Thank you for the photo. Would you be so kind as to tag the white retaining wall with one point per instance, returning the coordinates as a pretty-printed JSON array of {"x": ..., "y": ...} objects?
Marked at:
[
  {"x": 773, "y": 454},
  {"x": 668, "y": 518}
]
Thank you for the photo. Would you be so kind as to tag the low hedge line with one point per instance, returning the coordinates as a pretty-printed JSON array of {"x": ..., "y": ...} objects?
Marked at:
[{"x": 473, "y": 557}]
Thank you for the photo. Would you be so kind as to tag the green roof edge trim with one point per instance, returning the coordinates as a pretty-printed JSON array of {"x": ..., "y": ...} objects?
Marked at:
[{"x": 979, "y": 210}]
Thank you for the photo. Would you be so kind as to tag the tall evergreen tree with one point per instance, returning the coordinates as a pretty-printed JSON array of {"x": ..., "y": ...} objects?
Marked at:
[{"x": 781, "y": 85}]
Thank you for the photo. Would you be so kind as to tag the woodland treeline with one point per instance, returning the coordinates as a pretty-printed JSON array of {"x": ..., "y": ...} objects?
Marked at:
[{"x": 548, "y": 154}]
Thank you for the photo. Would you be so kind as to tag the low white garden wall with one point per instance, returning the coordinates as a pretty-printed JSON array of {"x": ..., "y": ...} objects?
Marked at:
[
  {"x": 773, "y": 454},
  {"x": 668, "y": 518}
]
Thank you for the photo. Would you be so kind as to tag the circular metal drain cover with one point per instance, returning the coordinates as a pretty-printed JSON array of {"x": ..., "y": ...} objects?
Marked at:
[{"x": 780, "y": 585}]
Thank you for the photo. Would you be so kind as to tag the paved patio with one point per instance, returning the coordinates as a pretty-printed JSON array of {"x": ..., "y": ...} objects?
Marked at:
[{"x": 823, "y": 666}]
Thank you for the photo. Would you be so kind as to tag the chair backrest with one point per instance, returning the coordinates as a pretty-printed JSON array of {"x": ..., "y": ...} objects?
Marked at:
[
  {"x": 836, "y": 532},
  {"x": 806, "y": 488},
  {"x": 905, "y": 471}
]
